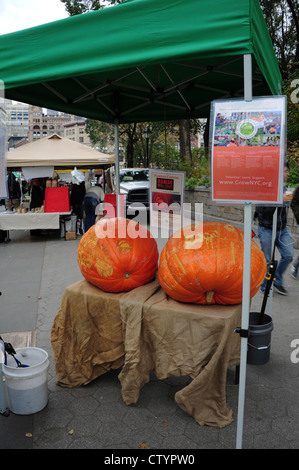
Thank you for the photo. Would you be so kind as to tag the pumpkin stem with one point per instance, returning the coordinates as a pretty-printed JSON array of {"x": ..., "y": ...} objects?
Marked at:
[{"x": 209, "y": 296}]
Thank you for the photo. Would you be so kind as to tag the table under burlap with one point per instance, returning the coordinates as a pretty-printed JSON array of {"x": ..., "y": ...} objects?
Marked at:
[
  {"x": 86, "y": 334},
  {"x": 147, "y": 331}
]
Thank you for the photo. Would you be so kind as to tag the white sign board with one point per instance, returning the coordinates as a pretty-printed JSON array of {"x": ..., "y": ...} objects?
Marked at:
[{"x": 166, "y": 199}]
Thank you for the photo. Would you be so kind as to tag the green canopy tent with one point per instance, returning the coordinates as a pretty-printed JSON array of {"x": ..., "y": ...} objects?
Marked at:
[{"x": 145, "y": 60}]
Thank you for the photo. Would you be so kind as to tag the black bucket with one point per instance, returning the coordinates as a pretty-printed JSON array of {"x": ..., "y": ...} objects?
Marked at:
[{"x": 259, "y": 340}]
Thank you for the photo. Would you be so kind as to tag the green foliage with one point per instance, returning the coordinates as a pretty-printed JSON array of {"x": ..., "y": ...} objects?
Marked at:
[
  {"x": 293, "y": 159},
  {"x": 77, "y": 7},
  {"x": 198, "y": 172},
  {"x": 191, "y": 182},
  {"x": 291, "y": 90},
  {"x": 293, "y": 179},
  {"x": 101, "y": 134}
]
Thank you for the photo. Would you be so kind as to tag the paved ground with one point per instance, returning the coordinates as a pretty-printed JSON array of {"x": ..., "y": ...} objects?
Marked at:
[{"x": 34, "y": 275}]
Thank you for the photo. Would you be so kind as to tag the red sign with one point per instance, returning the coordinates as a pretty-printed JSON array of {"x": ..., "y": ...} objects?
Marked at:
[
  {"x": 248, "y": 150},
  {"x": 246, "y": 173},
  {"x": 57, "y": 199}
]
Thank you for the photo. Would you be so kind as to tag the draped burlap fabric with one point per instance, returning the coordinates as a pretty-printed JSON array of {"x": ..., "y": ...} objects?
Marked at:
[
  {"x": 147, "y": 331},
  {"x": 86, "y": 334},
  {"x": 171, "y": 338}
]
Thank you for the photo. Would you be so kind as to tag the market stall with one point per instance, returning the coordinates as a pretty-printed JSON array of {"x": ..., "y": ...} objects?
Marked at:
[
  {"x": 54, "y": 152},
  {"x": 49, "y": 159}
]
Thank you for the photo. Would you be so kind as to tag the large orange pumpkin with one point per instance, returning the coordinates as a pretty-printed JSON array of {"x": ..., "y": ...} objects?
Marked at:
[
  {"x": 118, "y": 255},
  {"x": 203, "y": 264}
]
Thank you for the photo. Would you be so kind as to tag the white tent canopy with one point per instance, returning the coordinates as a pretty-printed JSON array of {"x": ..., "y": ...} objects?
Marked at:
[{"x": 58, "y": 152}]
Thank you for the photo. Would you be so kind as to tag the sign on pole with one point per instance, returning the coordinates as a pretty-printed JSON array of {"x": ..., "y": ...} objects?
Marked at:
[
  {"x": 166, "y": 199},
  {"x": 247, "y": 142},
  {"x": 248, "y": 150}
]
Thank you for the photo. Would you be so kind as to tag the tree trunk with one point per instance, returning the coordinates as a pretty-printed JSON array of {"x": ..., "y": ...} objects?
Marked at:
[
  {"x": 185, "y": 139},
  {"x": 130, "y": 154},
  {"x": 132, "y": 139}
]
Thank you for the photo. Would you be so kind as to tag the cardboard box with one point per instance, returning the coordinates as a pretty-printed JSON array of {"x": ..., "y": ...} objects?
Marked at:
[{"x": 70, "y": 235}]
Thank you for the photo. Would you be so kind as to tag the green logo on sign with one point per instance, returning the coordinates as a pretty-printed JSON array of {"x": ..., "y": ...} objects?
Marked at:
[{"x": 246, "y": 129}]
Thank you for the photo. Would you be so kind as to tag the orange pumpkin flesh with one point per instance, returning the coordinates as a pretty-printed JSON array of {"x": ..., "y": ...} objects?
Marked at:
[
  {"x": 118, "y": 255},
  {"x": 206, "y": 266}
]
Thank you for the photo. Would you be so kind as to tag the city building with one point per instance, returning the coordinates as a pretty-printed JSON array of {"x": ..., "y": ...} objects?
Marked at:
[
  {"x": 27, "y": 123},
  {"x": 43, "y": 124},
  {"x": 17, "y": 121},
  {"x": 76, "y": 130}
]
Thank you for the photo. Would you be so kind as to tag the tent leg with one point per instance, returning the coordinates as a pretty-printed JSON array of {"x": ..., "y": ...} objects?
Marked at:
[
  {"x": 274, "y": 225},
  {"x": 245, "y": 320},
  {"x": 247, "y": 77},
  {"x": 246, "y": 274},
  {"x": 116, "y": 145}
]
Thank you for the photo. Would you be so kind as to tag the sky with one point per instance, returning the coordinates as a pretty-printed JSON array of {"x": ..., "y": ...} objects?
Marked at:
[{"x": 21, "y": 14}]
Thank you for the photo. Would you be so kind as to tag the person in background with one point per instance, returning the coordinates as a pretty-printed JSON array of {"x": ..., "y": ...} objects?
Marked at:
[
  {"x": 283, "y": 239},
  {"x": 77, "y": 197},
  {"x": 78, "y": 192},
  {"x": 37, "y": 194},
  {"x": 295, "y": 208},
  {"x": 94, "y": 195},
  {"x": 14, "y": 193}
]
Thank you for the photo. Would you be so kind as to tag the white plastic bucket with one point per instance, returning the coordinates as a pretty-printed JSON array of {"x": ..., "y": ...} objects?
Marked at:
[{"x": 27, "y": 387}]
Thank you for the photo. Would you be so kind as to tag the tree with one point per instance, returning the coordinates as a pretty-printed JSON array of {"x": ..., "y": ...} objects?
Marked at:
[
  {"x": 101, "y": 133},
  {"x": 282, "y": 19},
  {"x": 77, "y": 7}
]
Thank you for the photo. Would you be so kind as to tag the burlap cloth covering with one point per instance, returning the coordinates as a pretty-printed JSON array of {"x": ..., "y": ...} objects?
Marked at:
[
  {"x": 147, "y": 331},
  {"x": 86, "y": 335}
]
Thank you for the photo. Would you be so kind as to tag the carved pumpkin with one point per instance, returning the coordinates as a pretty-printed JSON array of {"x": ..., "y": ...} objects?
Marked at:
[
  {"x": 118, "y": 255},
  {"x": 203, "y": 264}
]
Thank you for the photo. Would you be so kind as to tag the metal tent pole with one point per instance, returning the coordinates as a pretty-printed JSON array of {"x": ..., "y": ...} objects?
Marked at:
[
  {"x": 116, "y": 144},
  {"x": 246, "y": 276},
  {"x": 274, "y": 225}
]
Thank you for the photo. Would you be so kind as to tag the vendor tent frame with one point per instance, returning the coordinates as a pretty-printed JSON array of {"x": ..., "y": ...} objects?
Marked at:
[{"x": 147, "y": 60}]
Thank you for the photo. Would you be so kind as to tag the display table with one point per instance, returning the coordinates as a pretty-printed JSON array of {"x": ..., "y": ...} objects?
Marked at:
[
  {"x": 146, "y": 331},
  {"x": 30, "y": 220}
]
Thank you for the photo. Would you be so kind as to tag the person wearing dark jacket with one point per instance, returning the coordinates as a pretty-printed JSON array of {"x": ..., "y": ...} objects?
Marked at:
[
  {"x": 76, "y": 199},
  {"x": 295, "y": 208},
  {"x": 14, "y": 192},
  {"x": 37, "y": 194},
  {"x": 283, "y": 239},
  {"x": 94, "y": 195}
]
